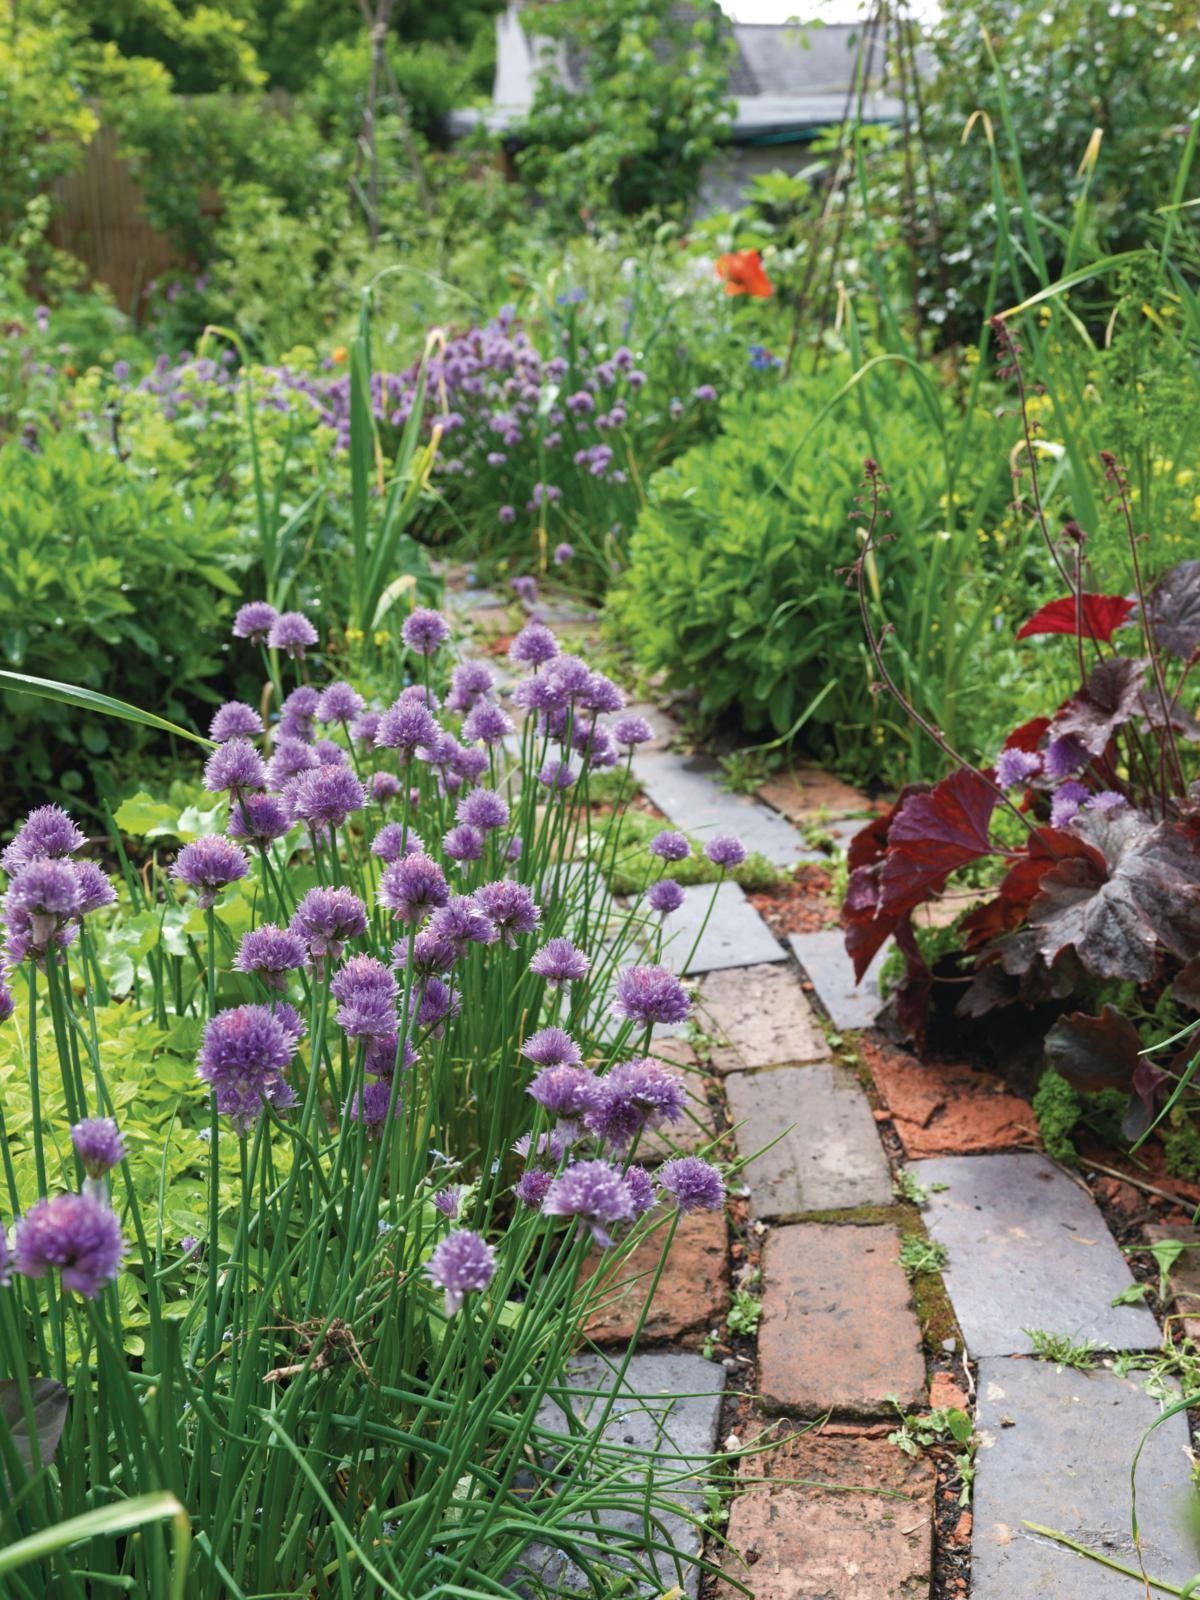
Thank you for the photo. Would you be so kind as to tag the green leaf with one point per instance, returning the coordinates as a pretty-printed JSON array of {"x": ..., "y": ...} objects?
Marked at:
[{"x": 103, "y": 704}]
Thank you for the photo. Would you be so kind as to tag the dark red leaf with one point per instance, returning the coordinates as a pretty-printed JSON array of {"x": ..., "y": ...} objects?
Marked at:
[
  {"x": 1186, "y": 988},
  {"x": 1097, "y": 616},
  {"x": 865, "y": 939},
  {"x": 932, "y": 835},
  {"x": 1094, "y": 1053},
  {"x": 1108, "y": 700},
  {"x": 870, "y": 843},
  {"x": 1174, "y": 610},
  {"x": 1029, "y": 735}
]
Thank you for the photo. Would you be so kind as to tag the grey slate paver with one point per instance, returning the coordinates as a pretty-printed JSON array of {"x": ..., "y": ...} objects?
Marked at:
[
  {"x": 668, "y": 1407},
  {"x": 1027, "y": 1248},
  {"x": 761, "y": 1018},
  {"x": 1056, "y": 1449},
  {"x": 735, "y": 935},
  {"x": 829, "y": 1157},
  {"x": 472, "y": 599},
  {"x": 687, "y": 789},
  {"x": 823, "y": 956}
]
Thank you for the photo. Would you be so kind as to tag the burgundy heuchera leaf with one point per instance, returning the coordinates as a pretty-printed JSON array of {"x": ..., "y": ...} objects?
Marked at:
[
  {"x": 1175, "y": 610},
  {"x": 1094, "y": 1053},
  {"x": 932, "y": 835},
  {"x": 1105, "y": 704},
  {"x": 1097, "y": 616}
]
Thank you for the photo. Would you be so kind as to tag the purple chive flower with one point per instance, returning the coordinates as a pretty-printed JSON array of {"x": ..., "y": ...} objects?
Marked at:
[
  {"x": 511, "y": 907},
  {"x": 326, "y": 918},
  {"x": 368, "y": 1013},
  {"x": 338, "y": 703},
  {"x": 725, "y": 851},
  {"x": 209, "y": 865},
  {"x": 326, "y": 797},
  {"x": 43, "y": 902},
  {"x": 438, "y": 1001},
  {"x": 255, "y": 621},
  {"x": 632, "y": 730},
  {"x": 1013, "y": 767},
  {"x": 48, "y": 831},
  {"x": 559, "y": 962},
  {"x": 566, "y": 1092},
  {"x": 99, "y": 1145},
  {"x": 602, "y": 695},
  {"x": 461, "y": 922},
  {"x": 596, "y": 1193},
  {"x": 76, "y": 1234},
  {"x": 447, "y": 1202},
  {"x": 7, "y": 1004},
  {"x": 693, "y": 1184},
  {"x": 563, "y": 553},
  {"x": 412, "y": 886},
  {"x": 469, "y": 763},
  {"x": 507, "y": 514},
  {"x": 1065, "y": 755},
  {"x": 487, "y": 722},
  {"x": 532, "y": 1187},
  {"x": 330, "y": 754},
  {"x": 633, "y": 1096},
  {"x": 525, "y": 588},
  {"x": 394, "y": 841},
  {"x": 271, "y": 953},
  {"x": 641, "y": 1190},
  {"x": 470, "y": 682},
  {"x": 557, "y": 775},
  {"x": 369, "y": 1105},
  {"x": 406, "y": 727},
  {"x": 484, "y": 809},
  {"x": 384, "y": 786},
  {"x": 670, "y": 847},
  {"x": 704, "y": 392},
  {"x": 664, "y": 896},
  {"x": 1106, "y": 800},
  {"x": 258, "y": 818},
  {"x": 534, "y": 645},
  {"x": 380, "y": 1059},
  {"x": 553, "y": 1144},
  {"x": 243, "y": 1056},
  {"x": 552, "y": 1047},
  {"x": 363, "y": 975},
  {"x": 1068, "y": 798},
  {"x": 292, "y": 632},
  {"x": 235, "y": 720},
  {"x": 292, "y": 757},
  {"x": 425, "y": 631},
  {"x": 296, "y": 715},
  {"x": 235, "y": 766},
  {"x": 515, "y": 846},
  {"x": 463, "y": 843},
  {"x": 463, "y": 1263},
  {"x": 649, "y": 995},
  {"x": 365, "y": 726},
  {"x": 95, "y": 889}
]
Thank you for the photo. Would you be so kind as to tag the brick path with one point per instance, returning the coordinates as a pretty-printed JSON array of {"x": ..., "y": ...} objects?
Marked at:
[{"x": 834, "y": 1511}]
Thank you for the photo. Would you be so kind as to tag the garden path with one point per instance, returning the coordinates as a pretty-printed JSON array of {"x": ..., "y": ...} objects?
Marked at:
[{"x": 790, "y": 1076}]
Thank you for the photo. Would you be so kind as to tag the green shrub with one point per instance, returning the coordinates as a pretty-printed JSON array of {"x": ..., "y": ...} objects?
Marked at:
[
  {"x": 736, "y": 572},
  {"x": 109, "y": 579}
]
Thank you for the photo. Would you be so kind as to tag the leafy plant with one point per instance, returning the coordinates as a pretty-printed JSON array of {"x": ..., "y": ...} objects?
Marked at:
[
  {"x": 919, "y": 1255},
  {"x": 744, "y": 1314},
  {"x": 1063, "y": 1349}
]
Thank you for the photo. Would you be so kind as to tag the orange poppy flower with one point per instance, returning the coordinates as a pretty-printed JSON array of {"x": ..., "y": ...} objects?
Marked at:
[{"x": 742, "y": 272}]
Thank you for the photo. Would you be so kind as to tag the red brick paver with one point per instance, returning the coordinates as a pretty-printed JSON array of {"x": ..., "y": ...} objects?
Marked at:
[
  {"x": 761, "y": 1017},
  {"x": 692, "y": 1294}
]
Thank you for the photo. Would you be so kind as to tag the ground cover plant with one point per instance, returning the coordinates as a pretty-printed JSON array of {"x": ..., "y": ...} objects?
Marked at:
[{"x": 320, "y": 1124}]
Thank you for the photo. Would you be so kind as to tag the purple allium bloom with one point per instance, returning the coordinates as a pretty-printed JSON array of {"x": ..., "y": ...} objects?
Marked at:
[
  {"x": 580, "y": 402},
  {"x": 725, "y": 851},
  {"x": 406, "y": 726},
  {"x": 326, "y": 918},
  {"x": 381, "y": 1055},
  {"x": 558, "y": 962},
  {"x": 553, "y": 1144},
  {"x": 675, "y": 409},
  {"x": 292, "y": 757},
  {"x": 532, "y": 1187},
  {"x": 255, "y": 621},
  {"x": 602, "y": 695},
  {"x": 557, "y": 775},
  {"x": 290, "y": 1020},
  {"x": 1065, "y": 755},
  {"x": 495, "y": 458},
  {"x": 326, "y": 797},
  {"x": 99, "y": 1145},
  {"x": 338, "y": 703},
  {"x": 463, "y": 843},
  {"x": 271, "y": 952},
  {"x": 525, "y": 588},
  {"x": 1068, "y": 798},
  {"x": 242, "y": 1058},
  {"x": 1106, "y": 800},
  {"x": 641, "y": 1190},
  {"x": 75, "y": 1233},
  {"x": 664, "y": 896},
  {"x": 693, "y": 1184},
  {"x": 363, "y": 975},
  {"x": 534, "y": 645},
  {"x": 235, "y": 720},
  {"x": 425, "y": 631},
  {"x": 507, "y": 514},
  {"x": 704, "y": 391},
  {"x": 552, "y": 1047},
  {"x": 469, "y": 763},
  {"x": 470, "y": 682},
  {"x": 1015, "y": 766},
  {"x": 651, "y": 994},
  {"x": 447, "y": 1202},
  {"x": 331, "y": 754},
  {"x": 487, "y": 722},
  {"x": 567, "y": 1092},
  {"x": 209, "y": 865},
  {"x": 596, "y": 1193},
  {"x": 463, "y": 1263},
  {"x": 47, "y": 831},
  {"x": 368, "y": 1014},
  {"x": 431, "y": 953},
  {"x": 296, "y": 715},
  {"x": 365, "y": 726},
  {"x": 258, "y": 818},
  {"x": 484, "y": 809},
  {"x": 412, "y": 886},
  {"x": 95, "y": 889},
  {"x": 633, "y": 1096},
  {"x": 394, "y": 841},
  {"x": 43, "y": 901},
  {"x": 384, "y": 786},
  {"x": 515, "y": 846},
  {"x": 632, "y": 730},
  {"x": 601, "y": 751},
  {"x": 670, "y": 847},
  {"x": 369, "y": 1105},
  {"x": 511, "y": 907},
  {"x": 563, "y": 553},
  {"x": 293, "y": 633},
  {"x": 462, "y": 922},
  {"x": 7, "y": 1004},
  {"x": 438, "y": 1001},
  {"x": 235, "y": 766}
]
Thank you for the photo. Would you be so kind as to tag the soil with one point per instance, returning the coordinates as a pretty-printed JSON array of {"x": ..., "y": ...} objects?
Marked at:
[{"x": 802, "y": 905}]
